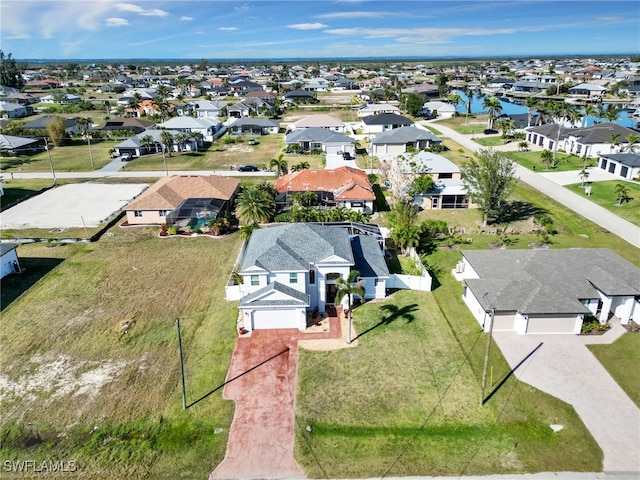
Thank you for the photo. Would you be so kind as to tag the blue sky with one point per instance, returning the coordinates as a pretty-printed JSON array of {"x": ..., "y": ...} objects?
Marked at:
[{"x": 102, "y": 29}]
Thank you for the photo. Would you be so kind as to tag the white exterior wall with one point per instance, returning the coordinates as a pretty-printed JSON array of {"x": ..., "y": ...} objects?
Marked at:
[
  {"x": 381, "y": 288},
  {"x": 520, "y": 324},
  {"x": 366, "y": 208},
  {"x": 384, "y": 149},
  {"x": 247, "y": 288},
  {"x": 275, "y": 317},
  {"x": 476, "y": 309},
  {"x": 321, "y": 281},
  {"x": 636, "y": 312},
  {"x": 623, "y": 307},
  {"x": 6, "y": 263},
  {"x": 468, "y": 271},
  {"x": 373, "y": 128},
  {"x": 283, "y": 278}
]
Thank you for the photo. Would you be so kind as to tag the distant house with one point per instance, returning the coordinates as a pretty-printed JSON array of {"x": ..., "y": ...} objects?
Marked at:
[
  {"x": 383, "y": 122},
  {"x": 14, "y": 110},
  {"x": 376, "y": 108},
  {"x": 344, "y": 187},
  {"x": 254, "y": 126},
  {"x": 183, "y": 200},
  {"x": 71, "y": 124},
  {"x": 207, "y": 127},
  {"x": 587, "y": 90},
  {"x": 62, "y": 99},
  {"x": 548, "y": 291},
  {"x": 132, "y": 124},
  {"x": 249, "y": 106},
  {"x": 439, "y": 109},
  {"x": 209, "y": 109},
  {"x": 328, "y": 122},
  {"x": 585, "y": 141},
  {"x": 299, "y": 96},
  {"x": 15, "y": 146},
  {"x": 625, "y": 165},
  {"x": 318, "y": 138},
  {"x": 9, "y": 259},
  {"x": 292, "y": 269},
  {"x": 396, "y": 141}
]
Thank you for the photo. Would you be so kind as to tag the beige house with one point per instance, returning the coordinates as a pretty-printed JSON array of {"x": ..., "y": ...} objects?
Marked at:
[{"x": 207, "y": 196}]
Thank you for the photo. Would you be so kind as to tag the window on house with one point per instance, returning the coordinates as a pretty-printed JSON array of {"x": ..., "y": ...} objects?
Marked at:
[
  {"x": 162, "y": 213},
  {"x": 137, "y": 213},
  {"x": 255, "y": 280},
  {"x": 624, "y": 171},
  {"x": 293, "y": 278},
  {"x": 312, "y": 277},
  {"x": 445, "y": 175}
]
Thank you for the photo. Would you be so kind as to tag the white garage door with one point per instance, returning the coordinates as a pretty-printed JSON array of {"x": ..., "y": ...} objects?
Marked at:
[
  {"x": 557, "y": 324},
  {"x": 280, "y": 318},
  {"x": 504, "y": 323}
]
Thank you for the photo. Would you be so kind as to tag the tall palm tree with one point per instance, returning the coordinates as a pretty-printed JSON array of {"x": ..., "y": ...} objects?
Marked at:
[
  {"x": 611, "y": 113},
  {"x": 454, "y": 99},
  {"x": 300, "y": 166},
  {"x": 532, "y": 104},
  {"x": 84, "y": 124},
  {"x": 247, "y": 229},
  {"x": 589, "y": 111},
  {"x": 494, "y": 109},
  {"x": 198, "y": 137},
  {"x": 280, "y": 165},
  {"x": 147, "y": 141},
  {"x": 255, "y": 206},
  {"x": 167, "y": 140},
  {"x": 584, "y": 174},
  {"x": 615, "y": 141},
  {"x": 349, "y": 288},
  {"x": 622, "y": 193},
  {"x": 632, "y": 141}
]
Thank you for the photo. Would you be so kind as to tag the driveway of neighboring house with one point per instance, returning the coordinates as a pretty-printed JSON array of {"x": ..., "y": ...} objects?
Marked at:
[{"x": 564, "y": 367}]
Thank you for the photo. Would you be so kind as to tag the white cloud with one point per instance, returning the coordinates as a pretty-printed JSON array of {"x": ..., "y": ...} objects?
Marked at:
[
  {"x": 242, "y": 8},
  {"x": 359, "y": 15},
  {"x": 307, "y": 26},
  {"x": 116, "y": 22},
  {"x": 130, "y": 7},
  {"x": 184, "y": 18},
  {"x": 427, "y": 33},
  {"x": 227, "y": 29}
]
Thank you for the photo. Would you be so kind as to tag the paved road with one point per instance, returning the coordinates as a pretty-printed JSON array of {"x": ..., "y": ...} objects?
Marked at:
[{"x": 582, "y": 206}]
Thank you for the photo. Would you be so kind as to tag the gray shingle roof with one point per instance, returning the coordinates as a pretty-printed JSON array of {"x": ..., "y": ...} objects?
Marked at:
[
  {"x": 7, "y": 247},
  {"x": 295, "y": 298},
  {"x": 548, "y": 281},
  {"x": 294, "y": 247},
  {"x": 368, "y": 258},
  {"x": 628, "y": 159},
  {"x": 317, "y": 134},
  {"x": 386, "y": 119},
  {"x": 260, "y": 122},
  {"x": 404, "y": 135}
]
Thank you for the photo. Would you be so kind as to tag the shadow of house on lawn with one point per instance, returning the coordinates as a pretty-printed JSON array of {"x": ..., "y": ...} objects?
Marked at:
[
  {"x": 33, "y": 269},
  {"x": 517, "y": 210}
]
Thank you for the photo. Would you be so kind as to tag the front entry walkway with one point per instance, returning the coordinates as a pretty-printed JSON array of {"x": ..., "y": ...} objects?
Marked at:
[
  {"x": 566, "y": 369},
  {"x": 262, "y": 382}
]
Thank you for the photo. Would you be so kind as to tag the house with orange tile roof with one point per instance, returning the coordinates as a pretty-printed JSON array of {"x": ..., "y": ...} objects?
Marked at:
[
  {"x": 340, "y": 187},
  {"x": 184, "y": 200}
]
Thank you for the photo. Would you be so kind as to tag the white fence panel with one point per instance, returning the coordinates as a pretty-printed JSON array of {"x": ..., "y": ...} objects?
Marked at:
[{"x": 410, "y": 282}]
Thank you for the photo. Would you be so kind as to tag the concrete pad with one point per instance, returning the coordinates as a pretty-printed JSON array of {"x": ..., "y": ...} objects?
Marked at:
[
  {"x": 71, "y": 206},
  {"x": 573, "y": 176}
]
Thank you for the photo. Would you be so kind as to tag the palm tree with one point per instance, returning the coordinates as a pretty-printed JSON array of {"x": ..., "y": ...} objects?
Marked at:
[
  {"x": 247, "y": 229},
  {"x": 622, "y": 193},
  {"x": 614, "y": 140},
  {"x": 147, "y": 141},
  {"x": 300, "y": 166},
  {"x": 349, "y": 288},
  {"x": 198, "y": 137},
  {"x": 454, "y": 99},
  {"x": 547, "y": 158},
  {"x": 506, "y": 125},
  {"x": 280, "y": 165},
  {"x": 84, "y": 124},
  {"x": 532, "y": 104},
  {"x": 167, "y": 140},
  {"x": 469, "y": 93},
  {"x": 611, "y": 113},
  {"x": 584, "y": 174},
  {"x": 494, "y": 108},
  {"x": 255, "y": 206},
  {"x": 589, "y": 111},
  {"x": 632, "y": 140}
]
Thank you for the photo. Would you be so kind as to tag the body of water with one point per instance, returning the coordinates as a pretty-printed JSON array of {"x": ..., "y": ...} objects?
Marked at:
[{"x": 626, "y": 120}]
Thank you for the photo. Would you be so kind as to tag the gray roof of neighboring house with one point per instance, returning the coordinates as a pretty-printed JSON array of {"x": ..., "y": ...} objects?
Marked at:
[
  {"x": 587, "y": 86},
  {"x": 11, "y": 142},
  {"x": 404, "y": 135},
  {"x": 190, "y": 122},
  {"x": 549, "y": 130},
  {"x": 261, "y": 122},
  {"x": 426, "y": 162},
  {"x": 295, "y": 298},
  {"x": 42, "y": 122},
  {"x": 299, "y": 93},
  {"x": 369, "y": 260},
  {"x": 133, "y": 142},
  {"x": 293, "y": 247},
  {"x": 386, "y": 119},
  {"x": 317, "y": 134},
  {"x": 599, "y": 133},
  {"x": 7, "y": 247},
  {"x": 628, "y": 159},
  {"x": 548, "y": 281}
]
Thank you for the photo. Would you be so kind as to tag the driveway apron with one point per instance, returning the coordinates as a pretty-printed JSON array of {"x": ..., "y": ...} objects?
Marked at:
[
  {"x": 261, "y": 439},
  {"x": 566, "y": 369}
]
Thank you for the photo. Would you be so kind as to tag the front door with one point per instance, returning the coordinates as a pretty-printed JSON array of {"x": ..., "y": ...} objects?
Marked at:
[{"x": 330, "y": 293}]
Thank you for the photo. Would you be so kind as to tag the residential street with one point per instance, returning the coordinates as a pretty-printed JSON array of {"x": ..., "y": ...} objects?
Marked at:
[{"x": 545, "y": 183}]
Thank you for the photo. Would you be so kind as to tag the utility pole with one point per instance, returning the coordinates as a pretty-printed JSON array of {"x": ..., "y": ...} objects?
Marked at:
[
  {"x": 46, "y": 145},
  {"x": 486, "y": 356},
  {"x": 184, "y": 392}
]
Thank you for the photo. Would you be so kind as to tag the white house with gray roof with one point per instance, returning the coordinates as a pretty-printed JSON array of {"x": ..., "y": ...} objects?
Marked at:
[
  {"x": 318, "y": 138},
  {"x": 396, "y": 141},
  {"x": 290, "y": 269},
  {"x": 548, "y": 291},
  {"x": 625, "y": 165}
]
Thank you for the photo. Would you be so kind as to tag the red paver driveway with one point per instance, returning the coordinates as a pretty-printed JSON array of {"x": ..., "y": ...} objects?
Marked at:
[{"x": 262, "y": 433}]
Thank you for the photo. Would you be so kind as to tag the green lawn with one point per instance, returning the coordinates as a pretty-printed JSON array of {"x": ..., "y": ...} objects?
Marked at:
[
  {"x": 621, "y": 360},
  {"x": 474, "y": 124},
  {"x": 15, "y": 190},
  {"x": 67, "y": 328},
  {"x": 604, "y": 194},
  {"x": 532, "y": 161},
  {"x": 492, "y": 141}
]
